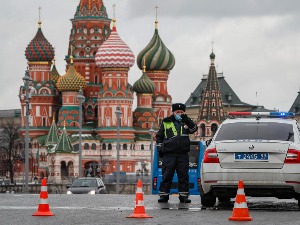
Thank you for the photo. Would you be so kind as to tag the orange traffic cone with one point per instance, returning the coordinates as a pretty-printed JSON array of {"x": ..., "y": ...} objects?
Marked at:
[
  {"x": 139, "y": 210},
  {"x": 43, "y": 209},
  {"x": 240, "y": 210}
]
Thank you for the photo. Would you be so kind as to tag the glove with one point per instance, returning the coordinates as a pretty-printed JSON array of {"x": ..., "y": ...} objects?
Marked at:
[
  {"x": 188, "y": 121},
  {"x": 184, "y": 118}
]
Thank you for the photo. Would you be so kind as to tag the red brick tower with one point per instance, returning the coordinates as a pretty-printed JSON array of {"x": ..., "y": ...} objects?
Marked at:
[
  {"x": 44, "y": 95},
  {"x": 115, "y": 58},
  {"x": 159, "y": 60},
  {"x": 90, "y": 28},
  {"x": 211, "y": 112},
  {"x": 69, "y": 84},
  {"x": 144, "y": 115}
]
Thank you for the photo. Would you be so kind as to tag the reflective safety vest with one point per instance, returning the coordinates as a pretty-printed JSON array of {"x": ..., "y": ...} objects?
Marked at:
[{"x": 168, "y": 125}]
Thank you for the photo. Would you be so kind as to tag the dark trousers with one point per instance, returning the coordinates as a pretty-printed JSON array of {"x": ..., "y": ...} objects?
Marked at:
[{"x": 181, "y": 165}]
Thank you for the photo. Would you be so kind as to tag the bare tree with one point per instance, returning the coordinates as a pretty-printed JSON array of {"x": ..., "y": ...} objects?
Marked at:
[{"x": 10, "y": 146}]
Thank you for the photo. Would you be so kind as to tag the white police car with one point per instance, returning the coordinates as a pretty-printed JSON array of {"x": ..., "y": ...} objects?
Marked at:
[{"x": 260, "y": 148}]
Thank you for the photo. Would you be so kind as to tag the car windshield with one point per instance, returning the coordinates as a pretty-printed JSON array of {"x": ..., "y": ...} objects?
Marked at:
[
  {"x": 256, "y": 131},
  {"x": 84, "y": 183}
]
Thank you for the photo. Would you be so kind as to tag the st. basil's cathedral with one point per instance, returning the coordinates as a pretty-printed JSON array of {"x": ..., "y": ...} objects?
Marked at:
[{"x": 98, "y": 64}]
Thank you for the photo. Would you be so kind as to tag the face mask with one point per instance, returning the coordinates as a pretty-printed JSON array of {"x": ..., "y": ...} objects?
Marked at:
[{"x": 178, "y": 117}]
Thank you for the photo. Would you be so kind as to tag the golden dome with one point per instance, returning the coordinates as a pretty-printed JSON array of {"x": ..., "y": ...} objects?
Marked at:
[{"x": 71, "y": 81}]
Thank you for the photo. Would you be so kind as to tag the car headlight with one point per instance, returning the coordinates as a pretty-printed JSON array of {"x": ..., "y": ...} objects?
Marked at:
[
  {"x": 92, "y": 192},
  {"x": 69, "y": 192}
]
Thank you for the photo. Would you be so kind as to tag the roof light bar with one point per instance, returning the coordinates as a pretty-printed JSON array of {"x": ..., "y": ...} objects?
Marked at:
[{"x": 275, "y": 114}]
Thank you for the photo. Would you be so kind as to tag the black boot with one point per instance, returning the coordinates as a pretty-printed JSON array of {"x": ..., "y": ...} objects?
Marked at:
[
  {"x": 184, "y": 199},
  {"x": 163, "y": 198}
]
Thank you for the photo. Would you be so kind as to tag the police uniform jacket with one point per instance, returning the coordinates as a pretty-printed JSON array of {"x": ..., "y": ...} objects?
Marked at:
[{"x": 173, "y": 142}]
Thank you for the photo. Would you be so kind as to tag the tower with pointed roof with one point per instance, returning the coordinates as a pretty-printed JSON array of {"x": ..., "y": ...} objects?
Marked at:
[
  {"x": 90, "y": 28},
  {"x": 59, "y": 153},
  {"x": 144, "y": 116},
  {"x": 52, "y": 137},
  {"x": 69, "y": 84},
  {"x": 44, "y": 95},
  {"x": 115, "y": 58},
  {"x": 159, "y": 60},
  {"x": 211, "y": 113}
]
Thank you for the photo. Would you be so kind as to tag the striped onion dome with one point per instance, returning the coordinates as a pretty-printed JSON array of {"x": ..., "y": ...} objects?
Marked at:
[
  {"x": 156, "y": 55},
  {"x": 54, "y": 75},
  {"x": 71, "y": 81},
  {"x": 114, "y": 52},
  {"x": 39, "y": 49},
  {"x": 144, "y": 85}
]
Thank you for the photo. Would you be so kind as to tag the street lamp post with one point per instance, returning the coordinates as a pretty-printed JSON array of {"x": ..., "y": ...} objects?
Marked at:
[
  {"x": 151, "y": 149},
  {"x": 27, "y": 80},
  {"x": 118, "y": 114},
  {"x": 81, "y": 99}
]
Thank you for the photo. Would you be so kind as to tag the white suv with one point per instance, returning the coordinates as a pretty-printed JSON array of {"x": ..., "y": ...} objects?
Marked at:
[{"x": 259, "y": 149}]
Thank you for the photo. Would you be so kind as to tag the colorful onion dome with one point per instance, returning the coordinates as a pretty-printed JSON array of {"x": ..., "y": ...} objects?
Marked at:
[
  {"x": 90, "y": 9},
  {"x": 54, "y": 75},
  {"x": 144, "y": 84},
  {"x": 156, "y": 55},
  {"x": 114, "y": 52},
  {"x": 72, "y": 80},
  {"x": 39, "y": 49}
]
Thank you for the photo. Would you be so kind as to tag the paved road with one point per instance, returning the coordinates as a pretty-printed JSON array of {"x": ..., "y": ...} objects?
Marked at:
[{"x": 17, "y": 209}]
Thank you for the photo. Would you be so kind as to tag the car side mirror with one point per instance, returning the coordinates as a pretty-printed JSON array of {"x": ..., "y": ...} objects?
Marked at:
[
  {"x": 68, "y": 185},
  {"x": 208, "y": 142}
]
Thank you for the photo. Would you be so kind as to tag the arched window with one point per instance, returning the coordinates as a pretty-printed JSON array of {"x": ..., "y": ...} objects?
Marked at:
[
  {"x": 109, "y": 146},
  {"x": 124, "y": 146},
  {"x": 93, "y": 146},
  {"x": 90, "y": 110},
  {"x": 86, "y": 146},
  {"x": 103, "y": 146},
  {"x": 76, "y": 147}
]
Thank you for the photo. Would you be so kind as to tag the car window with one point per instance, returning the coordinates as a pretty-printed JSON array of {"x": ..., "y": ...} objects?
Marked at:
[
  {"x": 84, "y": 183},
  {"x": 256, "y": 131},
  {"x": 77, "y": 183},
  {"x": 93, "y": 183}
]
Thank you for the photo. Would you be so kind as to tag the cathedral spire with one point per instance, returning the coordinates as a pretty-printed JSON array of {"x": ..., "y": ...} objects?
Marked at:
[
  {"x": 211, "y": 107},
  {"x": 64, "y": 144},
  {"x": 40, "y": 22},
  {"x": 156, "y": 21},
  {"x": 114, "y": 18},
  {"x": 52, "y": 137}
]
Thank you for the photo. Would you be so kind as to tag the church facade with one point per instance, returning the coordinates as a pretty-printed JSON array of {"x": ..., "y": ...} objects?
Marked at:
[{"x": 98, "y": 65}]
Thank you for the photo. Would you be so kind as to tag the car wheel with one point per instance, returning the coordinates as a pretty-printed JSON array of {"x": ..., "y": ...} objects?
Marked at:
[
  {"x": 208, "y": 200},
  {"x": 224, "y": 199}
]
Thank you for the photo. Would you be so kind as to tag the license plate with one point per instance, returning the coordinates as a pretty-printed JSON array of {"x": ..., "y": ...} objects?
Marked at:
[{"x": 255, "y": 156}]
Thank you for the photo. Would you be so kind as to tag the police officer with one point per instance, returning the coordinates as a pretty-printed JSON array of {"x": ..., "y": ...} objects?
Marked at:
[{"x": 173, "y": 145}]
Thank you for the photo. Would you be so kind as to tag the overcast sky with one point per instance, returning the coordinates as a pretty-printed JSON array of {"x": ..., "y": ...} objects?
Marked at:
[{"x": 256, "y": 43}]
